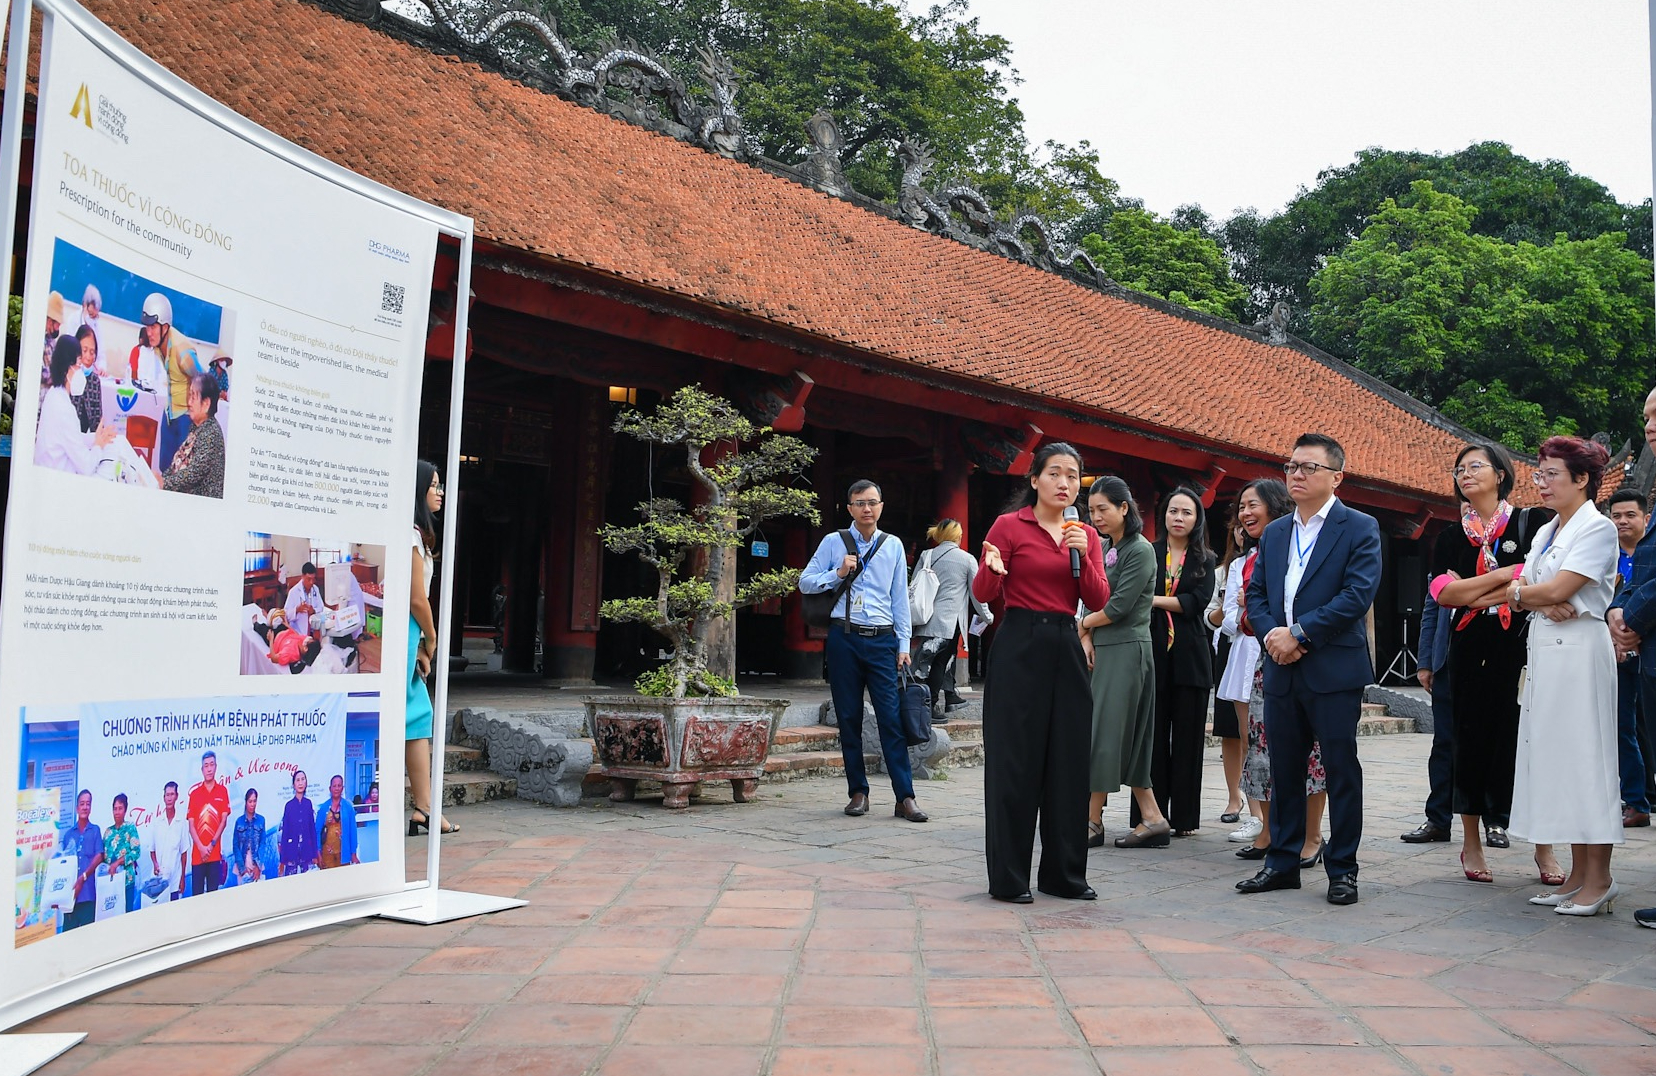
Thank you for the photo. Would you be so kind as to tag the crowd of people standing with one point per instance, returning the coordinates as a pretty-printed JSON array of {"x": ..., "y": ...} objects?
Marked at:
[{"x": 1110, "y": 647}]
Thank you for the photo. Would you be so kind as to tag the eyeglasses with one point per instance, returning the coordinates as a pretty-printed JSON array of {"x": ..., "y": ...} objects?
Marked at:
[
  {"x": 864, "y": 504},
  {"x": 1307, "y": 469},
  {"x": 1474, "y": 468},
  {"x": 1548, "y": 477}
]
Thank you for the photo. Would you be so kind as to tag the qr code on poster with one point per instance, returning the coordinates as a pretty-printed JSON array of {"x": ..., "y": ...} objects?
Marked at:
[{"x": 391, "y": 298}]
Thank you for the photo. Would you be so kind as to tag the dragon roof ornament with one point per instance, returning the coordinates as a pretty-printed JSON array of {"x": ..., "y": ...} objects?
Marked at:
[{"x": 629, "y": 82}]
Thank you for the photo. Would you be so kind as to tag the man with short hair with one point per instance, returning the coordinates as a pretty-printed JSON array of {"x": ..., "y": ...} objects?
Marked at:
[
  {"x": 1632, "y": 616},
  {"x": 209, "y": 813},
  {"x": 868, "y": 641},
  {"x": 304, "y": 601},
  {"x": 1321, "y": 569},
  {"x": 84, "y": 841},
  {"x": 168, "y": 842},
  {"x": 1630, "y": 512}
]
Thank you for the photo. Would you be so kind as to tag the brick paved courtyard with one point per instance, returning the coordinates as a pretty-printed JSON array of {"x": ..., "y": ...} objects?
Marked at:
[{"x": 781, "y": 937}]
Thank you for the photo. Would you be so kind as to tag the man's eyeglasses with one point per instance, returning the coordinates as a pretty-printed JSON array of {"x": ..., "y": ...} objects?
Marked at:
[
  {"x": 1548, "y": 477},
  {"x": 1474, "y": 468},
  {"x": 864, "y": 504},
  {"x": 1307, "y": 469}
]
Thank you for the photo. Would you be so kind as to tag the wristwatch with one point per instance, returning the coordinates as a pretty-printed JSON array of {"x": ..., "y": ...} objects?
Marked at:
[
  {"x": 1299, "y": 635},
  {"x": 1518, "y": 594}
]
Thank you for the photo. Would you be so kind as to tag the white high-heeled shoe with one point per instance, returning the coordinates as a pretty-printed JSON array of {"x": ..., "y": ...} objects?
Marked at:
[
  {"x": 1554, "y": 899},
  {"x": 1606, "y": 902}
]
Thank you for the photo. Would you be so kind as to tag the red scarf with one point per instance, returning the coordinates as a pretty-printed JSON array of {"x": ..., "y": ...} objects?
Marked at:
[{"x": 1484, "y": 536}]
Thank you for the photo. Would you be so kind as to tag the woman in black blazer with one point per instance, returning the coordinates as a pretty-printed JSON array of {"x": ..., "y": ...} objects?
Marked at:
[{"x": 1184, "y": 662}]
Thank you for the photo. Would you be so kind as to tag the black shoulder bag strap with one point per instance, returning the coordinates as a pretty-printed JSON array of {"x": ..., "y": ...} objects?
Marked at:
[{"x": 862, "y": 562}]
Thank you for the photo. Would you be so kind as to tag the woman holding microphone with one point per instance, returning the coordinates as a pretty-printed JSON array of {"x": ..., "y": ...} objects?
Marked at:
[{"x": 1037, "y": 730}]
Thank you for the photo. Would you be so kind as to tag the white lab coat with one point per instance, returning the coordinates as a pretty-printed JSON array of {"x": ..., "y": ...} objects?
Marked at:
[
  {"x": 59, "y": 442},
  {"x": 298, "y": 596}
]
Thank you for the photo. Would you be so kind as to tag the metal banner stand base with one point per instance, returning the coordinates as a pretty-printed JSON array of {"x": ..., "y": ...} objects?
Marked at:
[
  {"x": 23, "y": 1054},
  {"x": 445, "y": 905}
]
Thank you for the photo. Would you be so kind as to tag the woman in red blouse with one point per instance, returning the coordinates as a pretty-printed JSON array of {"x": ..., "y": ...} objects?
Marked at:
[{"x": 1037, "y": 704}]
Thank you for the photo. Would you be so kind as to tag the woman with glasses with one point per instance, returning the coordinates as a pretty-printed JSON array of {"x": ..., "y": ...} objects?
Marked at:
[
  {"x": 1486, "y": 649},
  {"x": 1568, "y": 785}
]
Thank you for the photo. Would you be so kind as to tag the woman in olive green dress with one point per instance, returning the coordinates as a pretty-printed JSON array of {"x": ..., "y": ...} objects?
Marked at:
[{"x": 1116, "y": 640}]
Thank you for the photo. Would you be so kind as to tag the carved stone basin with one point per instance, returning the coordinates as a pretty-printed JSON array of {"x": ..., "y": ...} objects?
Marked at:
[{"x": 682, "y": 742}]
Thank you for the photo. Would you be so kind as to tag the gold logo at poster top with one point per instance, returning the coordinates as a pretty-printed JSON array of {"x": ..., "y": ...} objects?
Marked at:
[{"x": 82, "y": 108}]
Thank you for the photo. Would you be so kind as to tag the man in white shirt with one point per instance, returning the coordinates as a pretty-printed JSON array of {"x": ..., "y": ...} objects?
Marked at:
[
  {"x": 167, "y": 842},
  {"x": 1316, "y": 576},
  {"x": 304, "y": 601}
]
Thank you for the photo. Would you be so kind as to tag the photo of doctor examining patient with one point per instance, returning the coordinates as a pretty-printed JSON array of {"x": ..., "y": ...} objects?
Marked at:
[
  {"x": 310, "y": 607},
  {"x": 134, "y": 379}
]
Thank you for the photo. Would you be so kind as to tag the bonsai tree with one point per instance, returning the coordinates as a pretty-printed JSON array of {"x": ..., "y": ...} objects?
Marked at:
[{"x": 736, "y": 466}]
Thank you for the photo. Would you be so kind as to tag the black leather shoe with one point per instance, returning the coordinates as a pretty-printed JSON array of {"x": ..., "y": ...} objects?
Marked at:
[
  {"x": 1252, "y": 853},
  {"x": 1343, "y": 890},
  {"x": 1425, "y": 833},
  {"x": 1268, "y": 880},
  {"x": 1020, "y": 898},
  {"x": 858, "y": 805},
  {"x": 1312, "y": 860},
  {"x": 1496, "y": 837},
  {"x": 1158, "y": 836},
  {"x": 1085, "y": 893},
  {"x": 910, "y": 811}
]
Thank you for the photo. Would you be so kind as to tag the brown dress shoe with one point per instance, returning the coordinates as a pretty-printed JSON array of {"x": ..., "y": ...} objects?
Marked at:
[
  {"x": 910, "y": 811},
  {"x": 1632, "y": 819},
  {"x": 858, "y": 805}
]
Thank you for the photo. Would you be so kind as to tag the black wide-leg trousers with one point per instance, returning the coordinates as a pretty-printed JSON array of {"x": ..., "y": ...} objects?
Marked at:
[{"x": 1037, "y": 741}]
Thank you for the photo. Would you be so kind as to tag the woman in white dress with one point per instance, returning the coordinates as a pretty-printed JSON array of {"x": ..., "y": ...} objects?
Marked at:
[
  {"x": 1567, "y": 789},
  {"x": 1235, "y": 685}
]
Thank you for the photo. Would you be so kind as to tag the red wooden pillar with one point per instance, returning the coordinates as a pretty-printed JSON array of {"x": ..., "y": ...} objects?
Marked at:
[
  {"x": 574, "y": 555},
  {"x": 801, "y": 648}
]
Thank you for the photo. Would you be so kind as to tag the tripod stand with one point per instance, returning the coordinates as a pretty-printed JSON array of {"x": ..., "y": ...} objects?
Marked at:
[{"x": 1405, "y": 662}]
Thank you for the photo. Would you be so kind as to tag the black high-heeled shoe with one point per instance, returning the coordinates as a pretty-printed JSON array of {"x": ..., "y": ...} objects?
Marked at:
[
  {"x": 1312, "y": 860},
  {"x": 416, "y": 826}
]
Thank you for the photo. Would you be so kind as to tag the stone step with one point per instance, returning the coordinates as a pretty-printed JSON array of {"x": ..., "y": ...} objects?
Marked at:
[
  {"x": 826, "y": 737},
  {"x": 458, "y": 759},
  {"x": 472, "y": 787}
]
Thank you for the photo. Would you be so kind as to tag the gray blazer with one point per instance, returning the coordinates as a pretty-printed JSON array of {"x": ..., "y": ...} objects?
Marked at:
[{"x": 952, "y": 607}]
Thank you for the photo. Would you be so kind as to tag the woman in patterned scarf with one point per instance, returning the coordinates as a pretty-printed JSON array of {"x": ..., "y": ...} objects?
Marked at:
[
  {"x": 1486, "y": 650},
  {"x": 198, "y": 465}
]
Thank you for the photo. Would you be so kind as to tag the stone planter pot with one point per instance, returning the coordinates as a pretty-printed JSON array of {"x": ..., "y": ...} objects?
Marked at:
[{"x": 681, "y": 742}]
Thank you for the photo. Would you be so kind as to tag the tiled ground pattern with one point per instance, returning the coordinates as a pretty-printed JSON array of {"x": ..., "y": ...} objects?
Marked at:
[{"x": 781, "y": 937}]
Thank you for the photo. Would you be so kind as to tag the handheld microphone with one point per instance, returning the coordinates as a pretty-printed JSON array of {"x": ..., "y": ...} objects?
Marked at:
[{"x": 1073, "y": 516}]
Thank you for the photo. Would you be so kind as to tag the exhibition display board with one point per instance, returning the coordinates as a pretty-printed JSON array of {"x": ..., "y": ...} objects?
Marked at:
[{"x": 204, "y": 627}]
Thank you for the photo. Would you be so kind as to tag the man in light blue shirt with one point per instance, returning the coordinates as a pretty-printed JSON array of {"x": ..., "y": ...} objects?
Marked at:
[{"x": 868, "y": 641}]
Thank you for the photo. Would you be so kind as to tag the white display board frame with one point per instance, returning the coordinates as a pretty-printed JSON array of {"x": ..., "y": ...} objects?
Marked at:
[{"x": 418, "y": 902}]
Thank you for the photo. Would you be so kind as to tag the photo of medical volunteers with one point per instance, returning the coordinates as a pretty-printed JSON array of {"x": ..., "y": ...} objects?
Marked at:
[
  {"x": 126, "y": 806},
  {"x": 134, "y": 379},
  {"x": 311, "y": 607}
]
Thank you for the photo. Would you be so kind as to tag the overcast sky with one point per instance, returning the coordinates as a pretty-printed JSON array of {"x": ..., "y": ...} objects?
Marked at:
[{"x": 1232, "y": 103}]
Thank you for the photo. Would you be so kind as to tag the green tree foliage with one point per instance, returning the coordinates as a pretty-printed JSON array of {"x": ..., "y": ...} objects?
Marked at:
[
  {"x": 1138, "y": 250},
  {"x": 740, "y": 490},
  {"x": 1517, "y": 199},
  {"x": 884, "y": 73},
  {"x": 1516, "y": 340}
]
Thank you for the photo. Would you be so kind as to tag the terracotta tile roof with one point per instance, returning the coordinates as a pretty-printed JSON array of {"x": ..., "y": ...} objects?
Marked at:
[{"x": 569, "y": 184}]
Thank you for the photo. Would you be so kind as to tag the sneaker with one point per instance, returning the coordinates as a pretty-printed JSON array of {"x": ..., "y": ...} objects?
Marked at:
[
  {"x": 1247, "y": 831},
  {"x": 1645, "y": 917}
]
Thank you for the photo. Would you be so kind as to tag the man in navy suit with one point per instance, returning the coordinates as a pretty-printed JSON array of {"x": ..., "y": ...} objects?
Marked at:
[
  {"x": 1308, "y": 607},
  {"x": 1632, "y": 616}
]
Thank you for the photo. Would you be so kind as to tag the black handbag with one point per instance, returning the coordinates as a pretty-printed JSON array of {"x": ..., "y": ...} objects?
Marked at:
[{"x": 914, "y": 705}]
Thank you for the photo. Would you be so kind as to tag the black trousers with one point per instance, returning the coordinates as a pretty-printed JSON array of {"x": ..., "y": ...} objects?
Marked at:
[
  {"x": 1292, "y": 722},
  {"x": 1440, "y": 770},
  {"x": 1176, "y": 758},
  {"x": 1037, "y": 741}
]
